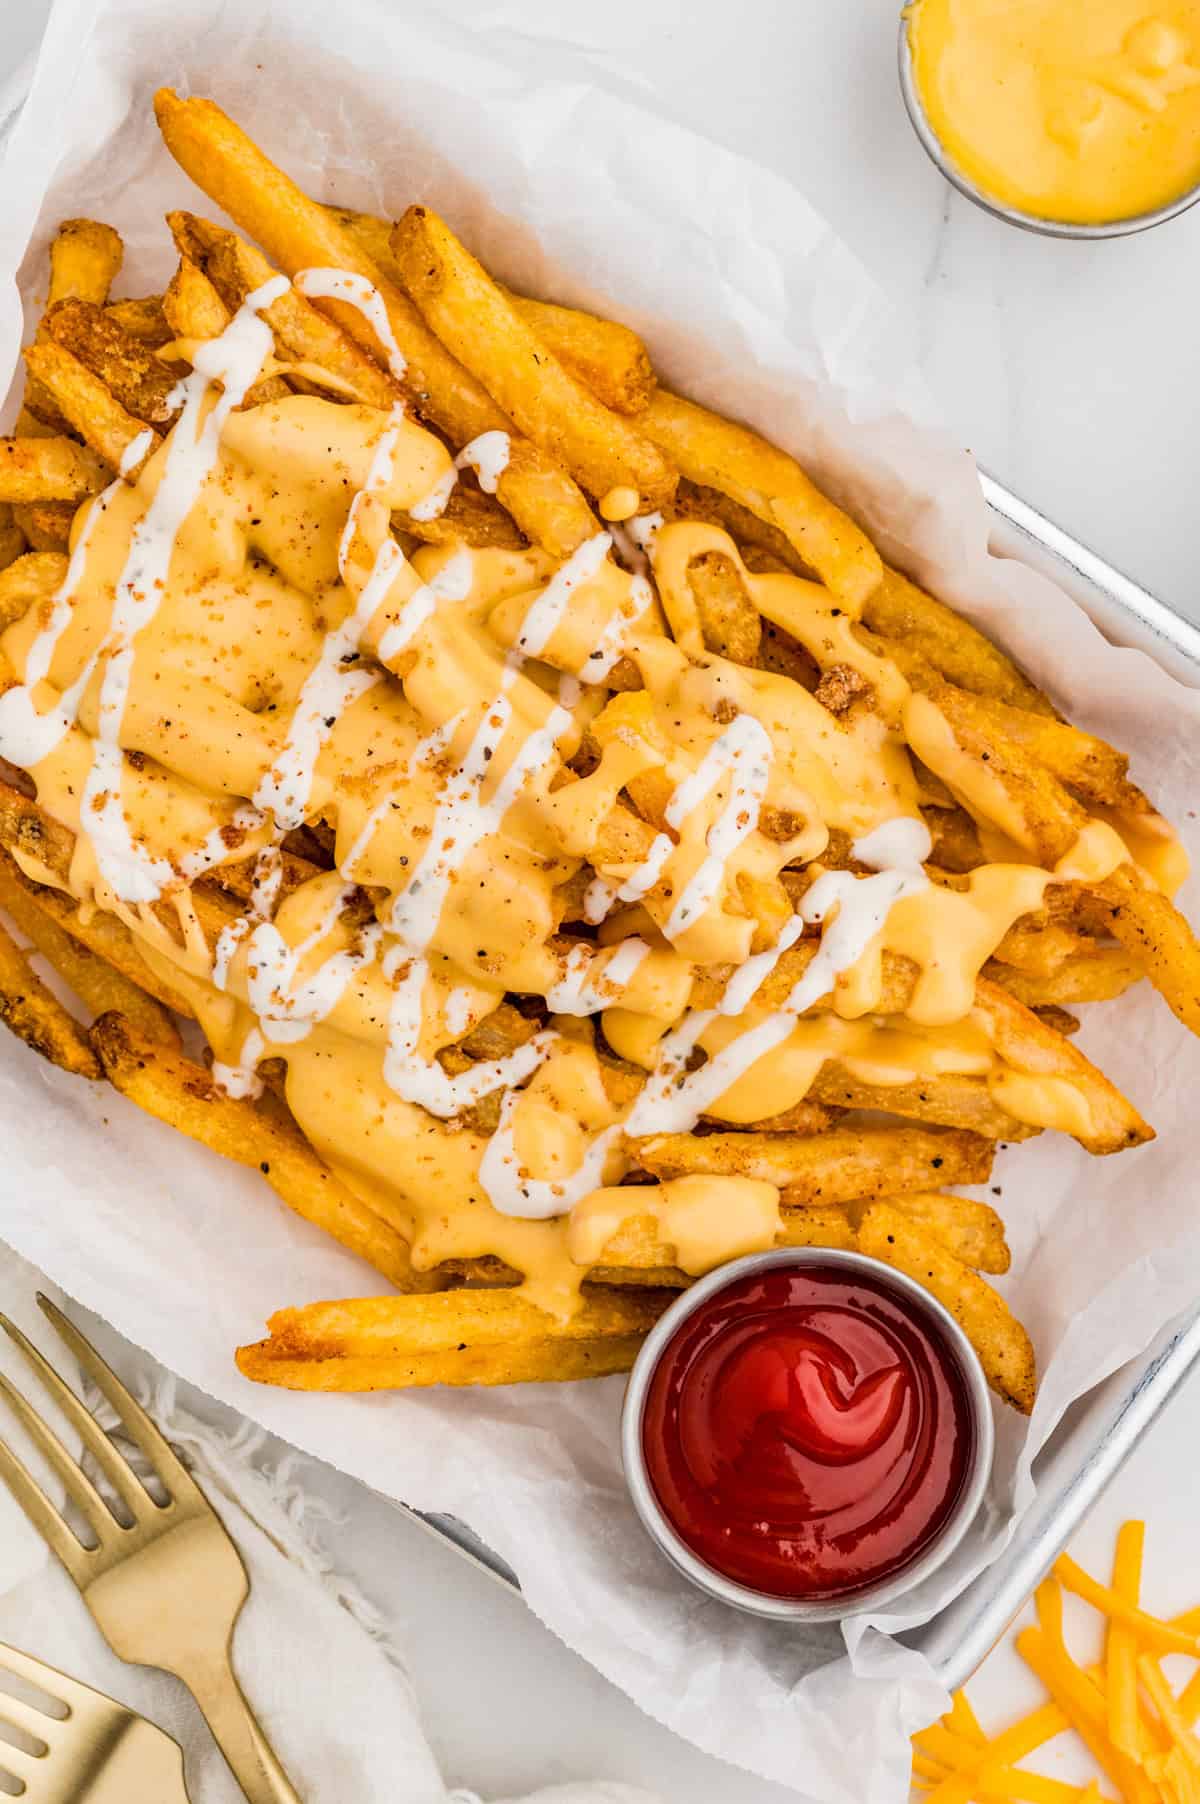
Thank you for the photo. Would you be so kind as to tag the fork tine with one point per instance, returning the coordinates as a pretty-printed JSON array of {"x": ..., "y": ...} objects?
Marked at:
[
  {"x": 170, "y": 1469},
  {"x": 83, "y": 1422},
  {"x": 80, "y": 1489},
  {"x": 58, "y": 1685},
  {"x": 44, "y": 1517}
]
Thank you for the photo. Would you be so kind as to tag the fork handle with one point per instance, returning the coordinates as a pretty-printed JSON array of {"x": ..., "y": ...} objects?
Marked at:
[{"x": 251, "y": 1758}]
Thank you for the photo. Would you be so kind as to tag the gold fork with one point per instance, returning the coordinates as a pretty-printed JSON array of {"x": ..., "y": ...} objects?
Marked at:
[
  {"x": 97, "y": 1753},
  {"x": 166, "y": 1588}
]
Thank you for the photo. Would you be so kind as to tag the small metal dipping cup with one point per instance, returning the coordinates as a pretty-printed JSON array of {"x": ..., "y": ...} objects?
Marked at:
[
  {"x": 1028, "y": 222},
  {"x": 866, "y": 1597}
]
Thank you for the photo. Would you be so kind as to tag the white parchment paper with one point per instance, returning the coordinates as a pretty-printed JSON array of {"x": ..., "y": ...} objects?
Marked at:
[{"x": 749, "y": 301}]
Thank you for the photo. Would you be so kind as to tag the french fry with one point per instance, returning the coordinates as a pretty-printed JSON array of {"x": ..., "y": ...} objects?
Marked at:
[
  {"x": 469, "y": 518},
  {"x": 143, "y": 319},
  {"x": 44, "y": 525},
  {"x": 1003, "y": 1346},
  {"x": 834, "y": 1167},
  {"x": 85, "y": 257},
  {"x": 905, "y": 614},
  {"x": 98, "y": 981},
  {"x": 170, "y": 1087},
  {"x": 972, "y": 1231},
  {"x": 236, "y": 269},
  {"x": 1091, "y": 976},
  {"x": 606, "y": 357},
  {"x": 32, "y": 1011},
  {"x": 719, "y": 455},
  {"x": 92, "y": 409},
  {"x": 1097, "y": 1115},
  {"x": 730, "y": 624},
  {"x": 192, "y": 306},
  {"x": 297, "y": 233},
  {"x": 461, "y": 303},
  {"x": 128, "y": 368},
  {"x": 49, "y": 469},
  {"x": 1152, "y": 930},
  {"x": 944, "y": 1101},
  {"x": 457, "y": 1337},
  {"x": 12, "y": 539}
]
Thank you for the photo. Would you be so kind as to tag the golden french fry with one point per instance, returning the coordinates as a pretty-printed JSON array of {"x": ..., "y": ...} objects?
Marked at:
[
  {"x": 834, "y": 1167},
  {"x": 1076, "y": 1097},
  {"x": 456, "y": 1337},
  {"x": 946, "y": 1101},
  {"x": 49, "y": 469},
  {"x": 972, "y": 1231},
  {"x": 98, "y": 983},
  {"x": 470, "y": 315},
  {"x": 237, "y": 269},
  {"x": 729, "y": 622},
  {"x": 174, "y": 1089},
  {"x": 606, "y": 357},
  {"x": 955, "y": 839},
  {"x": 32, "y": 1012},
  {"x": 143, "y": 319},
  {"x": 1002, "y": 1344},
  {"x": 1060, "y": 1019},
  {"x": 904, "y": 613},
  {"x": 1096, "y": 975},
  {"x": 12, "y": 539},
  {"x": 128, "y": 368},
  {"x": 1155, "y": 934},
  {"x": 192, "y": 307},
  {"x": 297, "y": 233},
  {"x": 85, "y": 257},
  {"x": 45, "y": 525},
  {"x": 92, "y": 409},
  {"x": 719, "y": 455},
  {"x": 469, "y": 518}
]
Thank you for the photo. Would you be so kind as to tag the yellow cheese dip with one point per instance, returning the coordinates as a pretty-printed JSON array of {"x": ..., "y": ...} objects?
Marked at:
[{"x": 1080, "y": 111}]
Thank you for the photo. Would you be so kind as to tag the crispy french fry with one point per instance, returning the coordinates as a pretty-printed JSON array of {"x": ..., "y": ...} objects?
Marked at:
[
  {"x": 729, "y": 622},
  {"x": 172, "y": 1088},
  {"x": 1003, "y": 1346},
  {"x": 45, "y": 525},
  {"x": 1091, "y": 976},
  {"x": 972, "y": 1231},
  {"x": 902, "y": 612},
  {"x": 608, "y": 358},
  {"x": 834, "y": 1167},
  {"x": 92, "y": 409},
  {"x": 297, "y": 233},
  {"x": 457, "y": 1337},
  {"x": 85, "y": 257},
  {"x": 1079, "y": 1098},
  {"x": 719, "y": 455},
  {"x": 471, "y": 316},
  {"x": 98, "y": 983},
  {"x": 1152, "y": 930},
  {"x": 237, "y": 269},
  {"x": 49, "y": 469},
  {"x": 946, "y": 1101},
  {"x": 32, "y": 1012},
  {"x": 1060, "y": 1019},
  {"x": 192, "y": 306},
  {"x": 143, "y": 319},
  {"x": 12, "y": 539},
  {"x": 469, "y": 518},
  {"x": 128, "y": 368}
]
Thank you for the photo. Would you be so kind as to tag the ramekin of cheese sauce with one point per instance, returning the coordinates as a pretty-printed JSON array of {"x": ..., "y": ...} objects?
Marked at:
[
  {"x": 1077, "y": 118},
  {"x": 807, "y": 1433}
]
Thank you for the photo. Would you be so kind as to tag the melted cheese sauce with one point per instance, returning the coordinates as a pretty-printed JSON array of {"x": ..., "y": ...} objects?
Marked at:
[{"x": 240, "y": 646}]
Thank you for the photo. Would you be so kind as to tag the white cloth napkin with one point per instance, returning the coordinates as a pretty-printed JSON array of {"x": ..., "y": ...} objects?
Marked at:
[{"x": 317, "y": 1661}]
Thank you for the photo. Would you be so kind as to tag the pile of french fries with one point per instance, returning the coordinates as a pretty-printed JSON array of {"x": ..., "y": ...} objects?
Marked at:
[{"x": 857, "y": 1164}]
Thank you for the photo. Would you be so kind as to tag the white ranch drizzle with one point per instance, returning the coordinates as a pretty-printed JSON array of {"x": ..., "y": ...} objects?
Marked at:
[
  {"x": 344, "y": 285},
  {"x": 457, "y": 1008},
  {"x": 592, "y": 981},
  {"x": 487, "y": 455},
  {"x": 423, "y": 1081},
  {"x": 744, "y": 750},
  {"x": 512, "y": 1191},
  {"x": 451, "y": 583},
  {"x": 288, "y": 1007},
  {"x": 670, "y": 1103},
  {"x": 545, "y": 613},
  {"x": 233, "y": 360}
]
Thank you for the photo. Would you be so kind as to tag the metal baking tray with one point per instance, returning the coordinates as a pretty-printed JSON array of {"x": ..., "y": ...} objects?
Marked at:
[{"x": 1101, "y": 1430}]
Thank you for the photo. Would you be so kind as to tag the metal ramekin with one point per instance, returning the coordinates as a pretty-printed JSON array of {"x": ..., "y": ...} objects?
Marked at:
[
  {"x": 1028, "y": 222},
  {"x": 870, "y": 1597}
]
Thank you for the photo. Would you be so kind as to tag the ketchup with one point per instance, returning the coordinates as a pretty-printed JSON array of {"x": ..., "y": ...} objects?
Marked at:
[{"x": 806, "y": 1433}]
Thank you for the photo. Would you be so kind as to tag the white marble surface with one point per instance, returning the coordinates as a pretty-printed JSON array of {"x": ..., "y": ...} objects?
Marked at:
[{"x": 1072, "y": 373}]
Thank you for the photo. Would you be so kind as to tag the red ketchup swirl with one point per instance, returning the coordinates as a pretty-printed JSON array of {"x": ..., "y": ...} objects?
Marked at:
[{"x": 807, "y": 1432}]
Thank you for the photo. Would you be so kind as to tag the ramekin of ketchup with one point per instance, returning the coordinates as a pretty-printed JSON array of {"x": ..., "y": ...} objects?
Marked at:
[{"x": 807, "y": 1433}]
